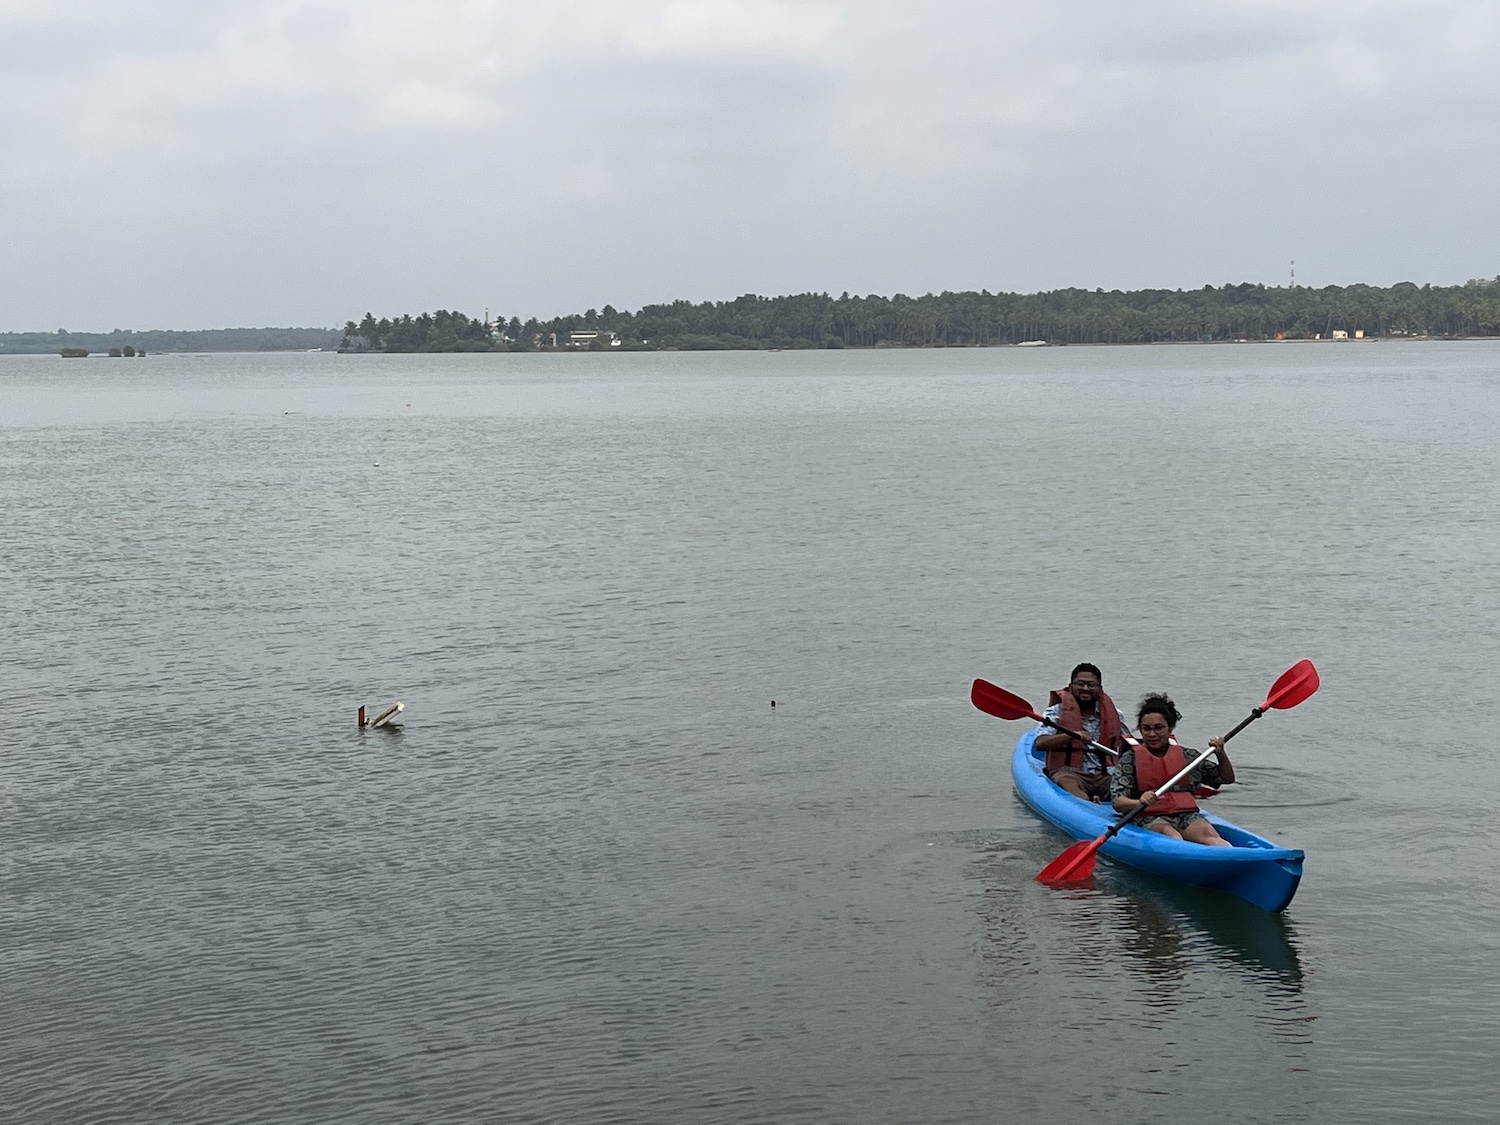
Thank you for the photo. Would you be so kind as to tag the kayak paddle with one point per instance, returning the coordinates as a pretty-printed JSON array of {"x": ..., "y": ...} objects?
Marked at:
[
  {"x": 1076, "y": 862},
  {"x": 994, "y": 700}
]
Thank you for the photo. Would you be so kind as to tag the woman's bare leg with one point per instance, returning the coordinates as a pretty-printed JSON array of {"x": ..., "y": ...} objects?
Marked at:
[{"x": 1202, "y": 832}]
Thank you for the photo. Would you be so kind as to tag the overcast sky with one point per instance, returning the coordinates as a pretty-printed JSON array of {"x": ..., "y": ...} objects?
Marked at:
[{"x": 176, "y": 164}]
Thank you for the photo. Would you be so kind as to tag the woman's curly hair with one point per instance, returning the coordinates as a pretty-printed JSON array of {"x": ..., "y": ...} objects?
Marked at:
[{"x": 1158, "y": 703}]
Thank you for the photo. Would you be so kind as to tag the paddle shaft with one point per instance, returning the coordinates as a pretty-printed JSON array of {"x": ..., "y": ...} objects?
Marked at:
[
  {"x": 1126, "y": 818},
  {"x": 1257, "y": 713},
  {"x": 1077, "y": 861},
  {"x": 1184, "y": 771},
  {"x": 1099, "y": 746}
]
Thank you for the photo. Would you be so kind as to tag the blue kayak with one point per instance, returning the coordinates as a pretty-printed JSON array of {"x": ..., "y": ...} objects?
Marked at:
[{"x": 1253, "y": 869}]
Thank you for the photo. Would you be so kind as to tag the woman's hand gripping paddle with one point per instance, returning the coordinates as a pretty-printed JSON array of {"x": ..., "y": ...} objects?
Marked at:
[
  {"x": 1076, "y": 863},
  {"x": 993, "y": 700}
]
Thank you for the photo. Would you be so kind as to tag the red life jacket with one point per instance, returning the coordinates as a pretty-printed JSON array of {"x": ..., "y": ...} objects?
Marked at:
[
  {"x": 1151, "y": 772},
  {"x": 1072, "y": 718}
]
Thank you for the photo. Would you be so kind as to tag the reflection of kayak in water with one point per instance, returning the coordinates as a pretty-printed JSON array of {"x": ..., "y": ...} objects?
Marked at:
[
  {"x": 1254, "y": 868},
  {"x": 1167, "y": 912}
]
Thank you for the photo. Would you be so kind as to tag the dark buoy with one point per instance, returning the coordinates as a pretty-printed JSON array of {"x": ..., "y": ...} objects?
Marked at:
[{"x": 773, "y": 705}]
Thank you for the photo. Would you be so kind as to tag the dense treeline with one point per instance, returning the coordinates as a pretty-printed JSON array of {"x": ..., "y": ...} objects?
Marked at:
[
  {"x": 442, "y": 331},
  {"x": 1063, "y": 316},
  {"x": 161, "y": 340}
]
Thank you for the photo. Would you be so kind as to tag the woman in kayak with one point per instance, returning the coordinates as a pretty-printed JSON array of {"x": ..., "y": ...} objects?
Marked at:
[{"x": 1152, "y": 760}]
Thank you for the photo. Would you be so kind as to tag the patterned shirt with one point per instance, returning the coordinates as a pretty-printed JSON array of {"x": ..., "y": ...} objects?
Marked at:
[
  {"x": 1092, "y": 762},
  {"x": 1122, "y": 784}
]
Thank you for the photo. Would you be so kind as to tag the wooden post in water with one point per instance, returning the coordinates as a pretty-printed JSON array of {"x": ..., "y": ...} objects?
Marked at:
[{"x": 361, "y": 716}]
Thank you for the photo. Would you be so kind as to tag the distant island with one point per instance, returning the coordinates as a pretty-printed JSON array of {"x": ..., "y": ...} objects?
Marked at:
[
  {"x": 124, "y": 342},
  {"x": 1243, "y": 312}
]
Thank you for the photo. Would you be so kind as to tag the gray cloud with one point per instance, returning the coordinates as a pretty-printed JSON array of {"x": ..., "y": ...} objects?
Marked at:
[{"x": 176, "y": 164}]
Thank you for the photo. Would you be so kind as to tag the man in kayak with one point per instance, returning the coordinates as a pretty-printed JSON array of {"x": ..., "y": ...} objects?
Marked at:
[
  {"x": 1082, "y": 705},
  {"x": 1147, "y": 764}
]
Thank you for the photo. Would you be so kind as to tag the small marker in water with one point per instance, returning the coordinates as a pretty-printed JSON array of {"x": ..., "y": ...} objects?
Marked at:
[{"x": 773, "y": 705}]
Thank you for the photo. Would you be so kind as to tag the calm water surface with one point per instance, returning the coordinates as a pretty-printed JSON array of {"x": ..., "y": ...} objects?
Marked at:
[{"x": 595, "y": 877}]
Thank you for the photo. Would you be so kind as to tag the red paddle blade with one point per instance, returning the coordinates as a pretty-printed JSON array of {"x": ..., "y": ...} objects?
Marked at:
[
  {"x": 1296, "y": 684},
  {"x": 1074, "y": 865},
  {"x": 998, "y": 702}
]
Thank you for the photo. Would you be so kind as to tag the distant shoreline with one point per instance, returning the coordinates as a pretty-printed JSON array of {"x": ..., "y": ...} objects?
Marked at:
[
  {"x": 1234, "y": 313},
  {"x": 1227, "y": 314},
  {"x": 564, "y": 350},
  {"x": 897, "y": 347},
  {"x": 156, "y": 341}
]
